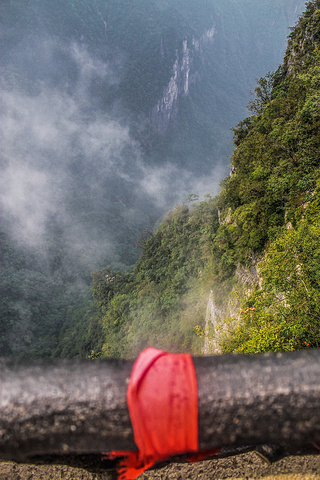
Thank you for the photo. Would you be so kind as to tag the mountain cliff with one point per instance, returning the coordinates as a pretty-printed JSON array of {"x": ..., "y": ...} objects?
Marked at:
[
  {"x": 112, "y": 111},
  {"x": 255, "y": 246}
]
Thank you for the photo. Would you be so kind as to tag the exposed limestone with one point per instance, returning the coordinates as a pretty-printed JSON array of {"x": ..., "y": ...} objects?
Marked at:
[
  {"x": 213, "y": 318},
  {"x": 179, "y": 83},
  {"x": 216, "y": 323}
]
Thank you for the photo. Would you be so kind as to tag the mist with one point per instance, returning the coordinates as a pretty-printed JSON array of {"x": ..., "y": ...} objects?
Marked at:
[{"x": 60, "y": 152}]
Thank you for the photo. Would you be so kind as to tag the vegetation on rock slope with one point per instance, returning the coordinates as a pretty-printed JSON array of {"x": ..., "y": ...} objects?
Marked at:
[{"x": 267, "y": 213}]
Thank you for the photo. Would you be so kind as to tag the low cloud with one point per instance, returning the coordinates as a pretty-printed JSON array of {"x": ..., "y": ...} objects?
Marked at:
[
  {"x": 169, "y": 184},
  {"x": 65, "y": 159},
  {"x": 26, "y": 199},
  {"x": 50, "y": 147}
]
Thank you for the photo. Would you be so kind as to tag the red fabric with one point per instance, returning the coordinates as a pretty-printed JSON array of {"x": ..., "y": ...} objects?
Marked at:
[{"x": 162, "y": 398}]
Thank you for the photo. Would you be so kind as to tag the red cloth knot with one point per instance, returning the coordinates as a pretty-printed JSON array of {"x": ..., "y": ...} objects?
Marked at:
[{"x": 162, "y": 398}]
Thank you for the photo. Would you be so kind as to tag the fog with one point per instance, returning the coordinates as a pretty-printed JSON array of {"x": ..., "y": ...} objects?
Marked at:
[
  {"x": 52, "y": 148},
  {"x": 58, "y": 151}
]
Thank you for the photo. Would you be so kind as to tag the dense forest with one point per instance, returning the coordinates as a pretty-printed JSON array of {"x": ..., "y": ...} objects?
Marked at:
[{"x": 255, "y": 246}]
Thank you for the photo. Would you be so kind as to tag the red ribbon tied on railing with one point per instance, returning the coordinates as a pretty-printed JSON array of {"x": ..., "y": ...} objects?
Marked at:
[{"x": 162, "y": 398}]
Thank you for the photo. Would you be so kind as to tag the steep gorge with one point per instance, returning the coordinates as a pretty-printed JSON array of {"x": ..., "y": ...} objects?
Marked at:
[
  {"x": 113, "y": 112},
  {"x": 255, "y": 246}
]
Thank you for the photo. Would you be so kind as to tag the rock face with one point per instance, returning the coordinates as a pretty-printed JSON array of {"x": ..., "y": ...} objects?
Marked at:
[
  {"x": 298, "y": 49},
  {"x": 218, "y": 317},
  {"x": 214, "y": 318},
  {"x": 209, "y": 72},
  {"x": 183, "y": 74},
  {"x": 167, "y": 105}
]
